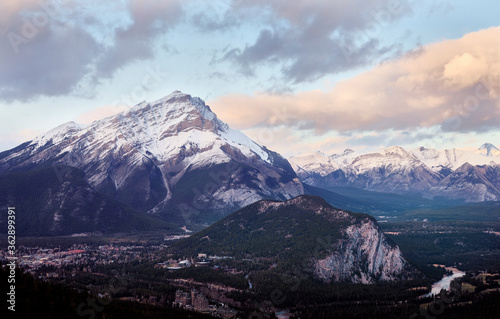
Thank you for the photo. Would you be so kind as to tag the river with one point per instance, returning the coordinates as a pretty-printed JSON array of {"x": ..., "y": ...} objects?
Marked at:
[
  {"x": 445, "y": 282},
  {"x": 250, "y": 286}
]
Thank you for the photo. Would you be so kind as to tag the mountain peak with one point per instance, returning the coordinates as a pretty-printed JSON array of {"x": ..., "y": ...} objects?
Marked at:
[
  {"x": 395, "y": 150},
  {"x": 347, "y": 153},
  {"x": 175, "y": 123},
  {"x": 169, "y": 115},
  {"x": 169, "y": 153},
  {"x": 58, "y": 133},
  {"x": 313, "y": 155},
  {"x": 179, "y": 97},
  {"x": 178, "y": 103}
]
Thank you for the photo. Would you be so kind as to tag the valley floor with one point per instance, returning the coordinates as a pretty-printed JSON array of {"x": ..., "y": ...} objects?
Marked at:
[{"x": 126, "y": 270}]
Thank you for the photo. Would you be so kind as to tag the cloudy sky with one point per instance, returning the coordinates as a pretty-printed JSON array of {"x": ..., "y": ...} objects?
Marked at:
[{"x": 295, "y": 76}]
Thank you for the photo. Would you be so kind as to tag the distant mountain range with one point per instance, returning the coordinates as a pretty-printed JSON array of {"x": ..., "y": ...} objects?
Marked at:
[
  {"x": 172, "y": 158},
  {"x": 306, "y": 235},
  {"x": 172, "y": 162},
  {"x": 453, "y": 174}
]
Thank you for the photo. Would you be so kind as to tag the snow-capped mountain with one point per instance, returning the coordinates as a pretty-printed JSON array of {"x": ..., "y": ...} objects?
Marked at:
[
  {"x": 452, "y": 159},
  {"x": 312, "y": 166},
  {"x": 451, "y": 173},
  {"x": 172, "y": 156},
  {"x": 473, "y": 183}
]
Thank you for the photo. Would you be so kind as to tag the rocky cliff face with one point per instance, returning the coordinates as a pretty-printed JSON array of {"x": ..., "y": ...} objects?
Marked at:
[
  {"x": 172, "y": 157},
  {"x": 363, "y": 256}
]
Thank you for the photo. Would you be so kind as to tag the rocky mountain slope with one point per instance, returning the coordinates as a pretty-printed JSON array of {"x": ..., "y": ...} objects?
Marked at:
[
  {"x": 455, "y": 174},
  {"x": 305, "y": 232},
  {"x": 172, "y": 157},
  {"x": 474, "y": 183},
  {"x": 57, "y": 200}
]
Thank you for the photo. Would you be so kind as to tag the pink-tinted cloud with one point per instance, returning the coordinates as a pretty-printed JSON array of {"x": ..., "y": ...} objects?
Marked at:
[
  {"x": 453, "y": 84},
  {"x": 10, "y": 9}
]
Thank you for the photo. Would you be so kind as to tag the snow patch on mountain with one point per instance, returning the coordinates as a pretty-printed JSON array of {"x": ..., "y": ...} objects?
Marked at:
[
  {"x": 452, "y": 158},
  {"x": 317, "y": 161},
  {"x": 58, "y": 134},
  {"x": 160, "y": 128}
]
